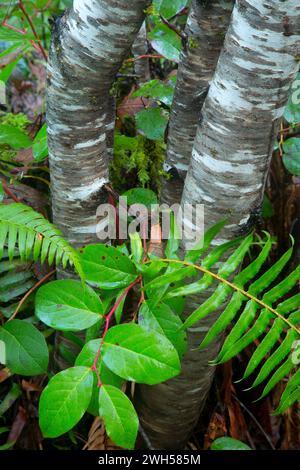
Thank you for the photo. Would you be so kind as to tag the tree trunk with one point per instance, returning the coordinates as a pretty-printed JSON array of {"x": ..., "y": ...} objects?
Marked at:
[
  {"x": 205, "y": 32},
  {"x": 89, "y": 43},
  {"x": 228, "y": 170},
  {"x": 140, "y": 48}
]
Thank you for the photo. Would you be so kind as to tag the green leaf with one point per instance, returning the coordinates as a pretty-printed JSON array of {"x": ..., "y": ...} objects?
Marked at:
[
  {"x": 176, "y": 275},
  {"x": 13, "y": 137},
  {"x": 169, "y": 8},
  {"x": 160, "y": 318},
  {"x": 174, "y": 239},
  {"x": 35, "y": 235},
  {"x": 65, "y": 400},
  {"x": 106, "y": 267},
  {"x": 228, "y": 443},
  {"x": 152, "y": 122},
  {"x": 40, "y": 144},
  {"x": 120, "y": 418},
  {"x": 291, "y": 156},
  {"x": 25, "y": 347},
  {"x": 140, "y": 196},
  {"x": 166, "y": 42},
  {"x": 136, "y": 247},
  {"x": 137, "y": 355},
  {"x": 157, "y": 90},
  {"x": 68, "y": 305},
  {"x": 86, "y": 358}
]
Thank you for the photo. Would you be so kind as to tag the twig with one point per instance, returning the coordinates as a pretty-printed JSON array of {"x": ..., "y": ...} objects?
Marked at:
[
  {"x": 9, "y": 192},
  {"x": 145, "y": 56},
  {"x": 42, "y": 50},
  {"x": 256, "y": 422},
  {"x": 171, "y": 26},
  {"x": 107, "y": 323},
  {"x": 41, "y": 281}
]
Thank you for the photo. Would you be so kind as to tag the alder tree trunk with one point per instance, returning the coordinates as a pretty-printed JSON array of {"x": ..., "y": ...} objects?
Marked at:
[
  {"x": 139, "y": 49},
  {"x": 205, "y": 32},
  {"x": 230, "y": 161},
  {"x": 89, "y": 44}
]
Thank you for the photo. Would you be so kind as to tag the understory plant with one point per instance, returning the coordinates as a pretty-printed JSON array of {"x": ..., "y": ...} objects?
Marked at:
[{"x": 145, "y": 344}]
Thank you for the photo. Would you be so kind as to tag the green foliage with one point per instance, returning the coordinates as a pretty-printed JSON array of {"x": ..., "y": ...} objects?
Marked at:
[
  {"x": 228, "y": 443},
  {"x": 165, "y": 41},
  {"x": 35, "y": 237},
  {"x": 135, "y": 354},
  {"x": 104, "y": 266},
  {"x": 65, "y": 400},
  {"x": 291, "y": 157},
  {"x": 152, "y": 122},
  {"x": 40, "y": 145},
  {"x": 26, "y": 348},
  {"x": 119, "y": 416},
  {"x": 148, "y": 348},
  {"x": 158, "y": 90},
  {"x": 137, "y": 162},
  {"x": 68, "y": 305}
]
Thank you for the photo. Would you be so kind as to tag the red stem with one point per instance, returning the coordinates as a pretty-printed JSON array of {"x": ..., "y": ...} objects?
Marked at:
[
  {"x": 145, "y": 56},
  {"x": 42, "y": 50},
  {"x": 107, "y": 323}
]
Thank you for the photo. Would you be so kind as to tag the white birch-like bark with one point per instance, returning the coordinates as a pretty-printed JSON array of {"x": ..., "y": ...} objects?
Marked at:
[
  {"x": 205, "y": 31},
  {"x": 228, "y": 170},
  {"x": 89, "y": 43}
]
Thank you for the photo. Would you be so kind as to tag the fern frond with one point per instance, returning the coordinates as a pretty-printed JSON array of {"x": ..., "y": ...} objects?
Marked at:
[
  {"x": 34, "y": 236},
  {"x": 261, "y": 309}
]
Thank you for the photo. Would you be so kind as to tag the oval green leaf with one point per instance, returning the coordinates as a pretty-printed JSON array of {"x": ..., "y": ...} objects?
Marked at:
[
  {"x": 106, "y": 267},
  {"x": 68, "y": 305},
  {"x": 138, "y": 355},
  {"x": 26, "y": 351},
  {"x": 119, "y": 416},
  {"x": 86, "y": 358},
  {"x": 160, "y": 318},
  {"x": 65, "y": 400}
]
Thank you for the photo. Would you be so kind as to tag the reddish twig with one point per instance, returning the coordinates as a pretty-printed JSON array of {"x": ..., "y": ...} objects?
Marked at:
[
  {"x": 171, "y": 26},
  {"x": 8, "y": 192},
  {"x": 41, "y": 281},
  {"x": 145, "y": 56},
  {"x": 21, "y": 31},
  {"x": 107, "y": 323},
  {"x": 42, "y": 50}
]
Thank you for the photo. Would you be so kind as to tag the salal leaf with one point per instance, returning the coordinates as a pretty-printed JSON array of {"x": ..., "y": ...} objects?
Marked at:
[
  {"x": 68, "y": 305},
  {"x": 86, "y": 358},
  {"x": 40, "y": 145},
  {"x": 64, "y": 400},
  {"x": 152, "y": 122},
  {"x": 13, "y": 137},
  {"x": 106, "y": 267},
  {"x": 228, "y": 443},
  {"x": 120, "y": 418},
  {"x": 140, "y": 356},
  {"x": 26, "y": 351},
  {"x": 136, "y": 247},
  {"x": 160, "y": 318}
]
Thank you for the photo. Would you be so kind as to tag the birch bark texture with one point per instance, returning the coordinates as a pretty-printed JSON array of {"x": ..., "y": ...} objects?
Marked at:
[
  {"x": 89, "y": 43},
  {"x": 139, "y": 49},
  {"x": 205, "y": 31},
  {"x": 229, "y": 166}
]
